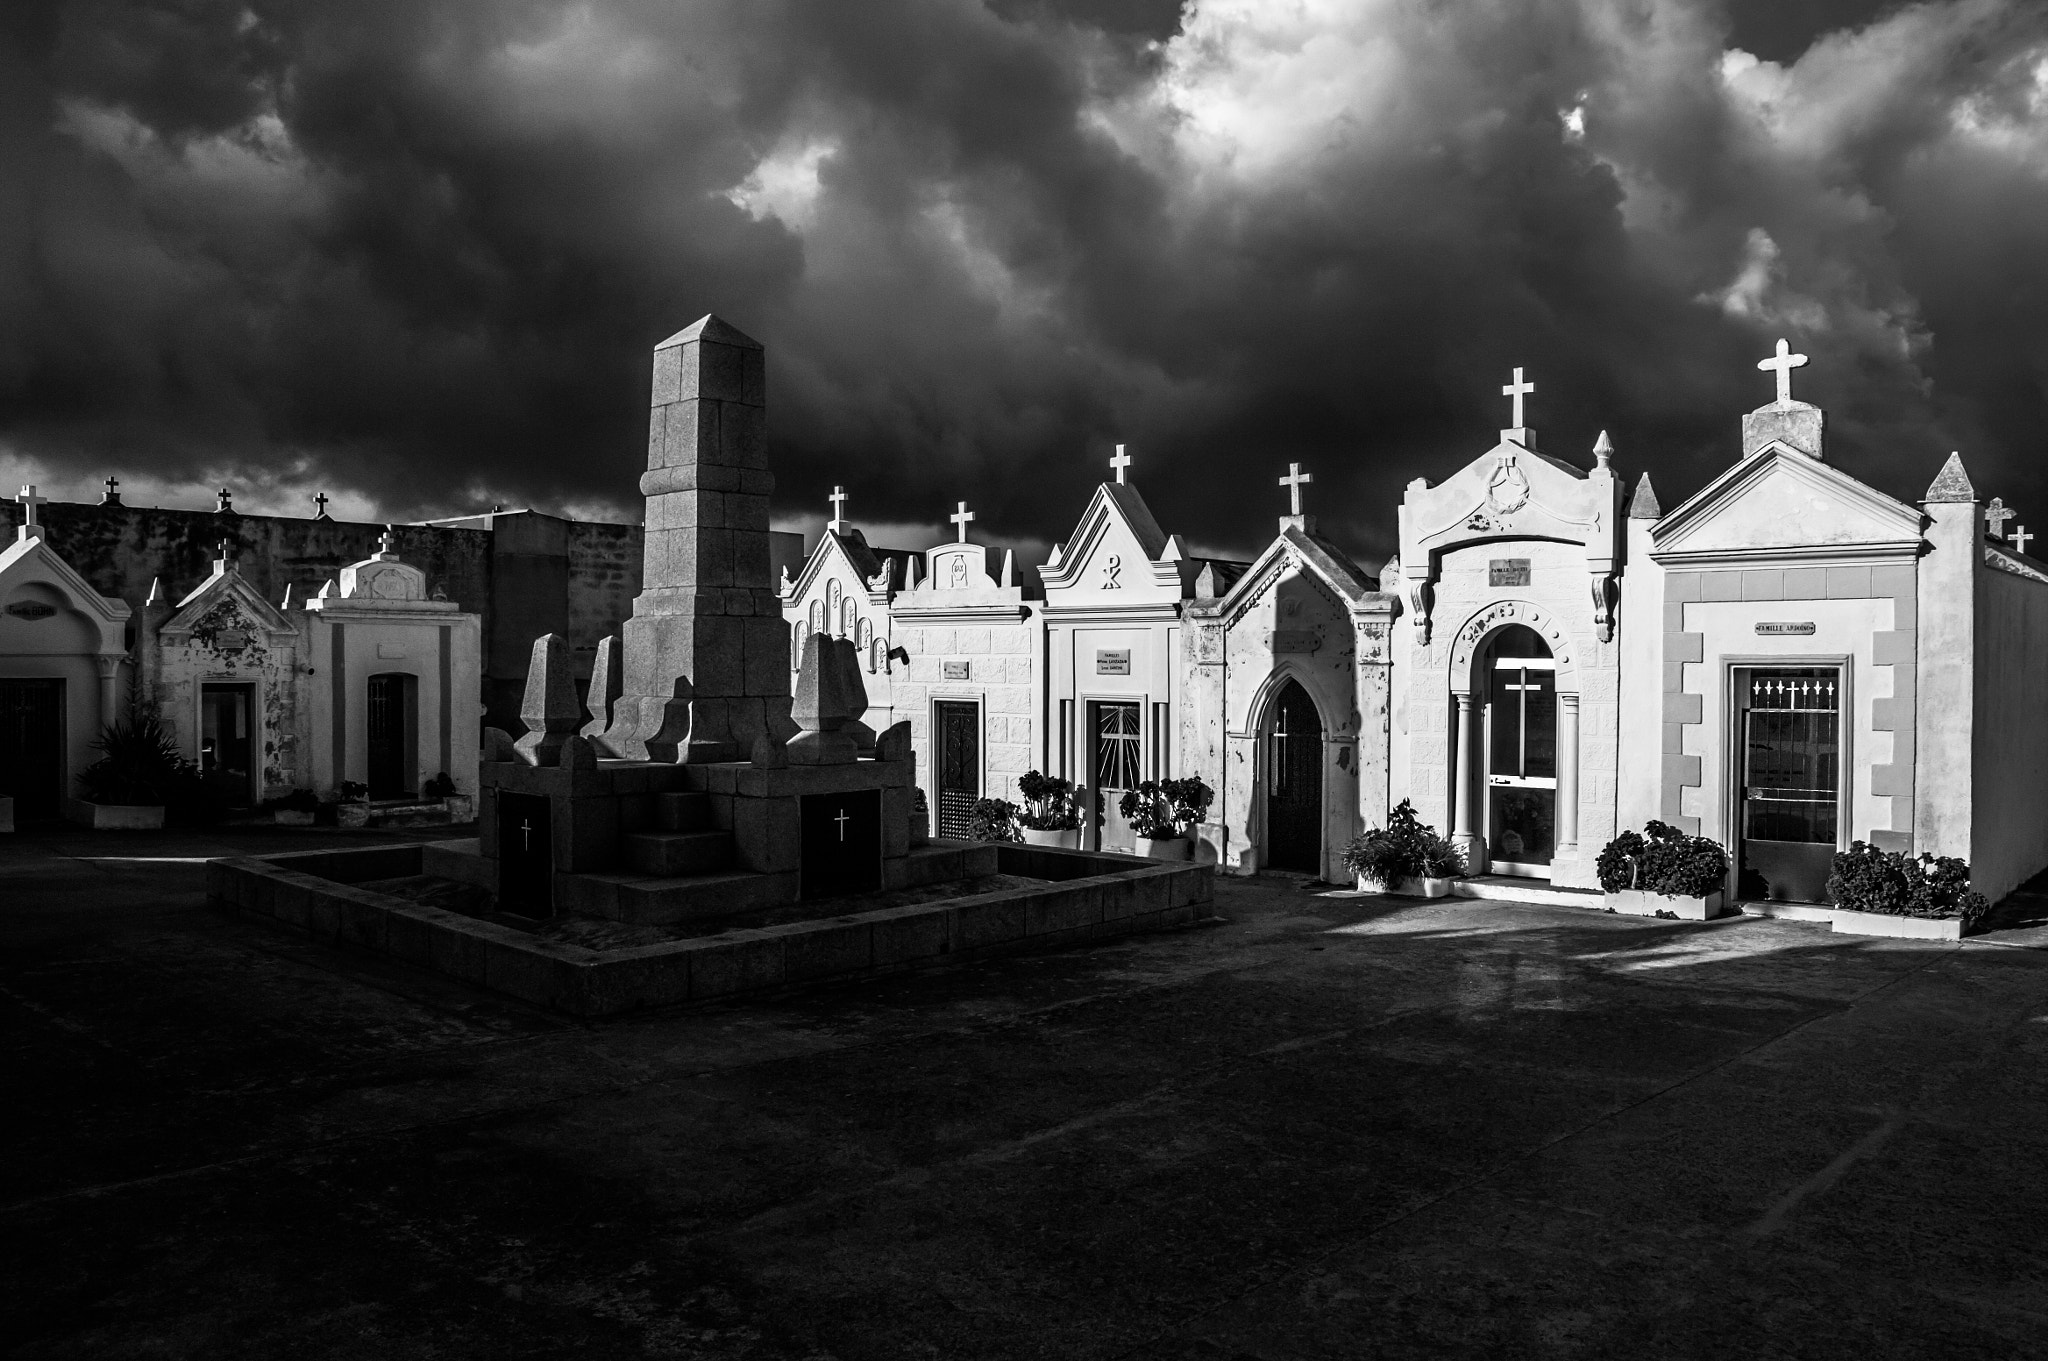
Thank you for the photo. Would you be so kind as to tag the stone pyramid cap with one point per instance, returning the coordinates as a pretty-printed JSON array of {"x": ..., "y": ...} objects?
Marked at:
[
  {"x": 1951, "y": 484},
  {"x": 1643, "y": 505},
  {"x": 708, "y": 327}
]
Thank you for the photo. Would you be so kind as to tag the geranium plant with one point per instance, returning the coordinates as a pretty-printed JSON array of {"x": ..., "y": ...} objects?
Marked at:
[
  {"x": 1893, "y": 884},
  {"x": 1049, "y": 803},
  {"x": 993, "y": 820},
  {"x": 1162, "y": 810},
  {"x": 1406, "y": 848},
  {"x": 1662, "y": 859}
]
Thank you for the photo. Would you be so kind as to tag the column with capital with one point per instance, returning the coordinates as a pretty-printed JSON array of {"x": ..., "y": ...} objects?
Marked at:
[
  {"x": 1464, "y": 768},
  {"x": 1567, "y": 775}
]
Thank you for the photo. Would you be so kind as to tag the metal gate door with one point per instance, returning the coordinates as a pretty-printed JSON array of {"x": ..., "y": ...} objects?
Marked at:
[
  {"x": 959, "y": 764},
  {"x": 1118, "y": 759},
  {"x": 1294, "y": 793},
  {"x": 1791, "y": 783},
  {"x": 32, "y": 746},
  {"x": 387, "y": 737}
]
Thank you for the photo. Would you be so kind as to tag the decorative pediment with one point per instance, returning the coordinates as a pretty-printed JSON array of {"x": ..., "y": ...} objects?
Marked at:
[
  {"x": 39, "y": 591},
  {"x": 1117, "y": 553},
  {"x": 1782, "y": 502},
  {"x": 1295, "y": 552},
  {"x": 842, "y": 554},
  {"x": 383, "y": 577},
  {"x": 225, "y": 602}
]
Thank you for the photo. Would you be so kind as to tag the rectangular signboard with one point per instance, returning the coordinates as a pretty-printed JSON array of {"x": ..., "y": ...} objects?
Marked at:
[
  {"x": 1113, "y": 661},
  {"x": 1795, "y": 627},
  {"x": 956, "y": 670},
  {"x": 1507, "y": 572}
]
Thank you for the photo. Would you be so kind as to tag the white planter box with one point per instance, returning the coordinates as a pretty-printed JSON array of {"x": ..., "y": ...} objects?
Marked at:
[
  {"x": 1638, "y": 903},
  {"x": 1170, "y": 848},
  {"x": 1849, "y": 923},
  {"x": 352, "y": 814},
  {"x": 1423, "y": 888},
  {"x": 1066, "y": 838},
  {"x": 292, "y": 817},
  {"x": 461, "y": 807},
  {"x": 115, "y": 817}
]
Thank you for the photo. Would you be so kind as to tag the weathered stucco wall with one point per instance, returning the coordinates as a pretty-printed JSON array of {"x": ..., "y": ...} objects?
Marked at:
[{"x": 2010, "y": 777}]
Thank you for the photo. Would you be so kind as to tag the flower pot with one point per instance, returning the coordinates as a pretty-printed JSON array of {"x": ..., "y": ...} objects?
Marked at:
[
  {"x": 1639, "y": 903},
  {"x": 1426, "y": 887},
  {"x": 352, "y": 814},
  {"x": 461, "y": 807},
  {"x": 1066, "y": 838},
  {"x": 1850, "y": 923},
  {"x": 292, "y": 817},
  {"x": 1164, "y": 848}
]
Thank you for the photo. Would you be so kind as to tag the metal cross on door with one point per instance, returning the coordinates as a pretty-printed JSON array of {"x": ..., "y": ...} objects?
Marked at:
[
  {"x": 526, "y": 858},
  {"x": 1294, "y": 788},
  {"x": 840, "y": 849}
]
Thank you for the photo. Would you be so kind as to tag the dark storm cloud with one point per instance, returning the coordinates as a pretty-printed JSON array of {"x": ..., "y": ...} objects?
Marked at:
[{"x": 420, "y": 248}]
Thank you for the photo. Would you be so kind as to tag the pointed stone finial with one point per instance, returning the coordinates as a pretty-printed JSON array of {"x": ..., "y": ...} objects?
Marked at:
[
  {"x": 286, "y": 603},
  {"x": 1643, "y": 505},
  {"x": 1009, "y": 576},
  {"x": 1951, "y": 484},
  {"x": 846, "y": 656},
  {"x": 820, "y": 708},
  {"x": 651, "y": 728},
  {"x": 607, "y": 683},
  {"x": 156, "y": 592},
  {"x": 894, "y": 744},
  {"x": 549, "y": 709},
  {"x": 910, "y": 573},
  {"x": 1603, "y": 451},
  {"x": 328, "y": 590}
]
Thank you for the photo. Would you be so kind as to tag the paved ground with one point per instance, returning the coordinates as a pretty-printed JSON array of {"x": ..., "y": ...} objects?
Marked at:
[{"x": 1330, "y": 1127}]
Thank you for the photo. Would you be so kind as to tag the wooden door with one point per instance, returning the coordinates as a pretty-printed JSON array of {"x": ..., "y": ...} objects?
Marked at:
[
  {"x": 1294, "y": 791},
  {"x": 32, "y": 746}
]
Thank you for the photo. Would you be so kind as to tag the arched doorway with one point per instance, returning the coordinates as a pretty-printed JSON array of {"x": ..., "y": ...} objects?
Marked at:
[
  {"x": 1519, "y": 677},
  {"x": 1294, "y": 784},
  {"x": 394, "y": 709}
]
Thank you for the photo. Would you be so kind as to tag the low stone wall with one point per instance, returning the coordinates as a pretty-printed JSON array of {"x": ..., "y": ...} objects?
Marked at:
[{"x": 1094, "y": 897}]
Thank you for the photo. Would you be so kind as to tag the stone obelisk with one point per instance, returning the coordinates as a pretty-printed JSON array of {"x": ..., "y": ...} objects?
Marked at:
[{"x": 707, "y": 615}]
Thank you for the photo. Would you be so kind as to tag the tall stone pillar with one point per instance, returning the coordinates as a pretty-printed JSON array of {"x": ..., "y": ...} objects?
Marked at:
[
  {"x": 1567, "y": 775},
  {"x": 708, "y": 613},
  {"x": 1466, "y": 765}
]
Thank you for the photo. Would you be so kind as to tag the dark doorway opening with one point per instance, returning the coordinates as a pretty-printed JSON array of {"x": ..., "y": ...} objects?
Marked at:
[
  {"x": 32, "y": 746},
  {"x": 393, "y": 735},
  {"x": 959, "y": 764},
  {"x": 227, "y": 742},
  {"x": 526, "y": 855},
  {"x": 841, "y": 849},
  {"x": 1294, "y": 791}
]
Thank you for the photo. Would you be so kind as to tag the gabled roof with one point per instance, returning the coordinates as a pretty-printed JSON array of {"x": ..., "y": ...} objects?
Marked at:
[
  {"x": 1117, "y": 504},
  {"x": 1783, "y": 500},
  {"x": 850, "y": 549},
  {"x": 225, "y": 585},
  {"x": 27, "y": 557},
  {"x": 1315, "y": 554}
]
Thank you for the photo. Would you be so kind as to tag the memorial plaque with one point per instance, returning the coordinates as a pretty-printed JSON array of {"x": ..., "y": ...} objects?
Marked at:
[
  {"x": 1507, "y": 572},
  {"x": 1113, "y": 662},
  {"x": 1797, "y": 628},
  {"x": 956, "y": 670},
  {"x": 526, "y": 856},
  {"x": 841, "y": 844},
  {"x": 1295, "y": 640}
]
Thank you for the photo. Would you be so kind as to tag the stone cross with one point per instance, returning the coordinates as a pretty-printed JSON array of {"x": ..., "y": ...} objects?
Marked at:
[
  {"x": 1995, "y": 516},
  {"x": 320, "y": 505},
  {"x": 1120, "y": 461},
  {"x": 2019, "y": 539},
  {"x": 31, "y": 527},
  {"x": 1295, "y": 476},
  {"x": 227, "y": 502},
  {"x": 1784, "y": 362},
  {"x": 387, "y": 542},
  {"x": 961, "y": 520},
  {"x": 838, "y": 500},
  {"x": 113, "y": 496},
  {"x": 227, "y": 551},
  {"x": 1517, "y": 390}
]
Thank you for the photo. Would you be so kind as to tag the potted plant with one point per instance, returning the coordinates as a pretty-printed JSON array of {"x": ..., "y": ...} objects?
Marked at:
[
  {"x": 1162, "y": 812},
  {"x": 1662, "y": 871},
  {"x": 460, "y": 807},
  {"x": 1406, "y": 857},
  {"x": 992, "y": 820},
  {"x": 352, "y": 804},
  {"x": 1889, "y": 893},
  {"x": 1051, "y": 816},
  {"x": 295, "y": 809},
  {"x": 139, "y": 772},
  {"x": 920, "y": 817}
]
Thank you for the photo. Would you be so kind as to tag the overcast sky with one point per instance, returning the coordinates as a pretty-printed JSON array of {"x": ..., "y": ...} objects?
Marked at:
[{"x": 416, "y": 252}]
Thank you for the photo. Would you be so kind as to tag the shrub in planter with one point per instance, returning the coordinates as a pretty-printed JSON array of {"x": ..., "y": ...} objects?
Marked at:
[
  {"x": 440, "y": 787},
  {"x": 139, "y": 764},
  {"x": 992, "y": 820},
  {"x": 1663, "y": 872},
  {"x": 1894, "y": 884},
  {"x": 1405, "y": 856},
  {"x": 1051, "y": 816},
  {"x": 296, "y": 809},
  {"x": 1163, "y": 812}
]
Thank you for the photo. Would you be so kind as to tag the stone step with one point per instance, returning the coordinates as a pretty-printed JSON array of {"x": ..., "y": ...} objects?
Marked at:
[
  {"x": 678, "y": 853},
  {"x": 1502, "y": 888},
  {"x": 398, "y": 813},
  {"x": 682, "y": 812},
  {"x": 666, "y": 901}
]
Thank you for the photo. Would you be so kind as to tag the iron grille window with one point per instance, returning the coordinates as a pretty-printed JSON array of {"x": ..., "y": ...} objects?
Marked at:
[
  {"x": 1116, "y": 746},
  {"x": 1794, "y": 743}
]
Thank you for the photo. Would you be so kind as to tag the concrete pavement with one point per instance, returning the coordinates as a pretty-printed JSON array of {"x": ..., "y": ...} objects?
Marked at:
[{"x": 1330, "y": 1126}]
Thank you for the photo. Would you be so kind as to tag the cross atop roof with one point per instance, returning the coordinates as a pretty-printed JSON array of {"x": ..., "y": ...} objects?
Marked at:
[
  {"x": 838, "y": 500},
  {"x": 320, "y": 505},
  {"x": 227, "y": 502},
  {"x": 31, "y": 527},
  {"x": 2019, "y": 539},
  {"x": 226, "y": 548},
  {"x": 113, "y": 495},
  {"x": 961, "y": 519},
  {"x": 387, "y": 542},
  {"x": 1120, "y": 461},
  {"x": 1995, "y": 516},
  {"x": 1518, "y": 389},
  {"x": 1295, "y": 477},
  {"x": 1783, "y": 362}
]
